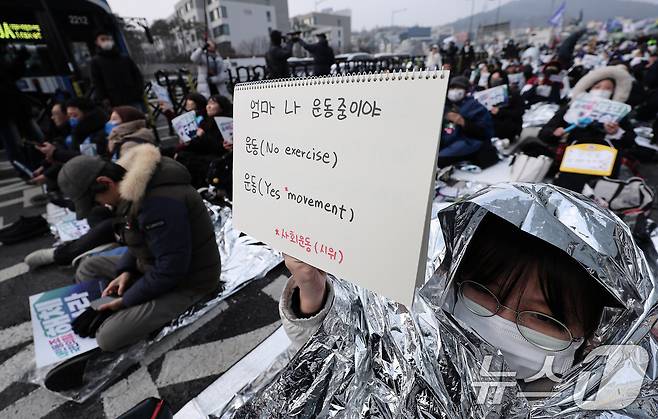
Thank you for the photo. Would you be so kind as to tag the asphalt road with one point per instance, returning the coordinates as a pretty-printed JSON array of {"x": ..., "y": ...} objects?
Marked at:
[{"x": 177, "y": 368}]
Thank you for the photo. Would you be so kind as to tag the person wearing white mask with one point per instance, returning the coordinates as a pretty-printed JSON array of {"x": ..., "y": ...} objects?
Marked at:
[
  {"x": 610, "y": 83},
  {"x": 116, "y": 79},
  {"x": 434, "y": 60},
  {"x": 467, "y": 128},
  {"x": 516, "y": 290}
]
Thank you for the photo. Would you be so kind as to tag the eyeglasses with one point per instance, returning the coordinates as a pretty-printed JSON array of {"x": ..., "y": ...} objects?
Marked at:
[{"x": 539, "y": 329}]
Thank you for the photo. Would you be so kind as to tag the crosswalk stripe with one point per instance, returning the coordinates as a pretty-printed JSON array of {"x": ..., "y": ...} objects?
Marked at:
[
  {"x": 275, "y": 288},
  {"x": 10, "y": 180},
  {"x": 209, "y": 358},
  {"x": 14, "y": 271},
  {"x": 11, "y": 202},
  {"x": 219, "y": 393},
  {"x": 126, "y": 393},
  {"x": 37, "y": 404},
  {"x": 17, "y": 187},
  {"x": 15, "y": 335},
  {"x": 13, "y": 368}
]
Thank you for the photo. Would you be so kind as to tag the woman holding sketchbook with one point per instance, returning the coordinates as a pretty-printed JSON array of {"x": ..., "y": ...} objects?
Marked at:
[{"x": 523, "y": 281}]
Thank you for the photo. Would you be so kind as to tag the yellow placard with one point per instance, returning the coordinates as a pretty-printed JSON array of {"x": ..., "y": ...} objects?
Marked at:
[{"x": 589, "y": 159}]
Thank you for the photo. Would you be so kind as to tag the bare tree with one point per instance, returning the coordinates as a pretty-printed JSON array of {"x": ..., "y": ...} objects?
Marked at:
[{"x": 254, "y": 47}]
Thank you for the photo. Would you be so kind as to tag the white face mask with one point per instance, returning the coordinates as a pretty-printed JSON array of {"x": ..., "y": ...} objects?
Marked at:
[
  {"x": 602, "y": 93},
  {"x": 456, "y": 95},
  {"x": 521, "y": 356},
  {"x": 106, "y": 45}
]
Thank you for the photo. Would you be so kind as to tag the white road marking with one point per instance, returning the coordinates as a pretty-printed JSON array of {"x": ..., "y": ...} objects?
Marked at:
[
  {"x": 11, "y": 202},
  {"x": 219, "y": 393},
  {"x": 14, "y": 271},
  {"x": 6, "y": 190},
  {"x": 11, "y": 180},
  {"x": 209, "y": 358},
  {"x": 37, "y": 404},
  {"x": 275, "y": 288},
  {"x": 13, "y": 368},
  {"x": 15, "y": 335},
  {"x": 125, "y": 394},
  {"x": 29, "y": 194}
]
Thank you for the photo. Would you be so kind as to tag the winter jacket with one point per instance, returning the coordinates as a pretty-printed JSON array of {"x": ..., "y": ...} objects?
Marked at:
[
  {"x": 364, "y": 353},
  {"x": 127, "y": 135},
  {"x": 478, "y": 129},
  {"x": 90, "y": 130},
  {"x": 165, "y": 224},
  {"x": 276, "y": 60},
  {"x": 210, "y": 70},
  {"x": 117, "y": 78},
  {"x": 323, "y": 56},
  {"x": 210, "y": 142},
  {"x": 508, "y": 122}
]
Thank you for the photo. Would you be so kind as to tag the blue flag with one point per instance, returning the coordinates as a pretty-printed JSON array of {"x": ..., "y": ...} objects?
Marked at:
[{"x": 556, "y": 19}]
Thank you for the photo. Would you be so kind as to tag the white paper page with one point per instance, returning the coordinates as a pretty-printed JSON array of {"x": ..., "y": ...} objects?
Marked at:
[{"x": 372, "y": 174}]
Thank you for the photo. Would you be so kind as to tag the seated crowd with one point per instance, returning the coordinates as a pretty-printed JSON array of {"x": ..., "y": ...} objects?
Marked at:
[{"x": 158, "y": 253}]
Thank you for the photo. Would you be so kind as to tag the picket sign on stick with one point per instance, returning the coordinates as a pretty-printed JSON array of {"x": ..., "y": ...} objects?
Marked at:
[
  {"x": 339, "y": 173},
  {"x": 596, "y": 108}
]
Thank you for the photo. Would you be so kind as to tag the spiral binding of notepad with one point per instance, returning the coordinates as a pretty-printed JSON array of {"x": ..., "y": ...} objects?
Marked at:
[{"x": 342, "y": 78}]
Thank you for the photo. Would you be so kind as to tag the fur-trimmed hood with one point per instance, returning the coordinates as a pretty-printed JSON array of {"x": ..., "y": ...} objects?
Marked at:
[
  {"x": 623, "y": 82},
  {"x": 145, "y": 169}
]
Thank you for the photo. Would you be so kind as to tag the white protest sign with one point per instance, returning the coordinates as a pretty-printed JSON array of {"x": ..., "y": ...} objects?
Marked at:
[
  {"x": 52, "y": 313},
  {"x": 186, "y": 125},
  {"x": 591, "y": 61},
  {"x": 492, "y": 97},
  {"x": 225, "y": 125},
  {"x": 161, "y": 93},
  {"x": 71, "y": 229},
  {"x": 339, "y": 172},
  {"x": 589, "y": 159},
  {"x": 596, "y": 108}
]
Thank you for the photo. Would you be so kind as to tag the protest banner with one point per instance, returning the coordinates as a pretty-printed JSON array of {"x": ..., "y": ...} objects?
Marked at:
[
  {"x": 185, "y": 125},
  {"x": 225, "y": 125},
  {"x": 339, "y": 173},
  {"x": 52, "y": 313},
  {"x": 162, "y": 94},
  {"x": 589, "y": 159},
  {"x": 496, "y": 96},
  {"x": 596, "y": 108}
]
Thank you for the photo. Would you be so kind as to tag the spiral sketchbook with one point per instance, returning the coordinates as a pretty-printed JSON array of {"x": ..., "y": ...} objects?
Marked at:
[{"x": 339, "y": 172}]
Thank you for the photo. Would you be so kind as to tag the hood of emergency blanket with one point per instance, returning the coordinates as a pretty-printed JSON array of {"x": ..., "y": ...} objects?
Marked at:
[{"x": 372, "y": 358}]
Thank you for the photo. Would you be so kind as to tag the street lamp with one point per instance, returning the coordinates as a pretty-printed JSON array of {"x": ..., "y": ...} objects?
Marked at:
[{"x": 395, "y": 12}]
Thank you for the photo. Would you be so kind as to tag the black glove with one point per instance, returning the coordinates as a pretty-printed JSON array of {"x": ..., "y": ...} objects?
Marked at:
[{"x": 88, "y": 322}]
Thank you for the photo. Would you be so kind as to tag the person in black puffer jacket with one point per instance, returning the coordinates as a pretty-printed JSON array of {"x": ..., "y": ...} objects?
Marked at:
[
  {"x": 116, "y": 79},
  {"x": 87, "y": 136}
]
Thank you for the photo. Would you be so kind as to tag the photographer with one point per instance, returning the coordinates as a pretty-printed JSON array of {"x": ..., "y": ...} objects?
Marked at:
[
  {"x": 323, "y": 55},
  {"x": 212, "y": 74},
  {"x": 276, "y": 58}
]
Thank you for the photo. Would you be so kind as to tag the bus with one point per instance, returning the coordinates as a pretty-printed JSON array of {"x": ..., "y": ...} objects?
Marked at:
[{"x": 57, "y": 37}]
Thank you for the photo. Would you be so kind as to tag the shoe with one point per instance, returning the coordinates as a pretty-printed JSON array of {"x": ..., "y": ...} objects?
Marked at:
[
  {"x": 25, "y": 229},
  {"x": 22, "y": 222},
  {"x": 69, "y": 374},
  {"x": 40, "y": 257}
]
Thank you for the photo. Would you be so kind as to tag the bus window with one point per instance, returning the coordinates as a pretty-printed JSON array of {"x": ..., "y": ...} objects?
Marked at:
[
  {"x": 37, "y": 62},
  {"x": 81, "y": 55}
]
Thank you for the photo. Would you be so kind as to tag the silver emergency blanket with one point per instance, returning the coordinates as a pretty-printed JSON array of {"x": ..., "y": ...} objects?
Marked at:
[
  {"x": 372, "y": 358},
  {"x": 539, "y": 114},
  {"x": 243, "y": 261}
]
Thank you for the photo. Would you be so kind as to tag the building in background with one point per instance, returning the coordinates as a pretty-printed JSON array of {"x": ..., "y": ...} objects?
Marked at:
[
  {"x": 337, "y": 25},
  {"x": 237, "y": 26}
]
